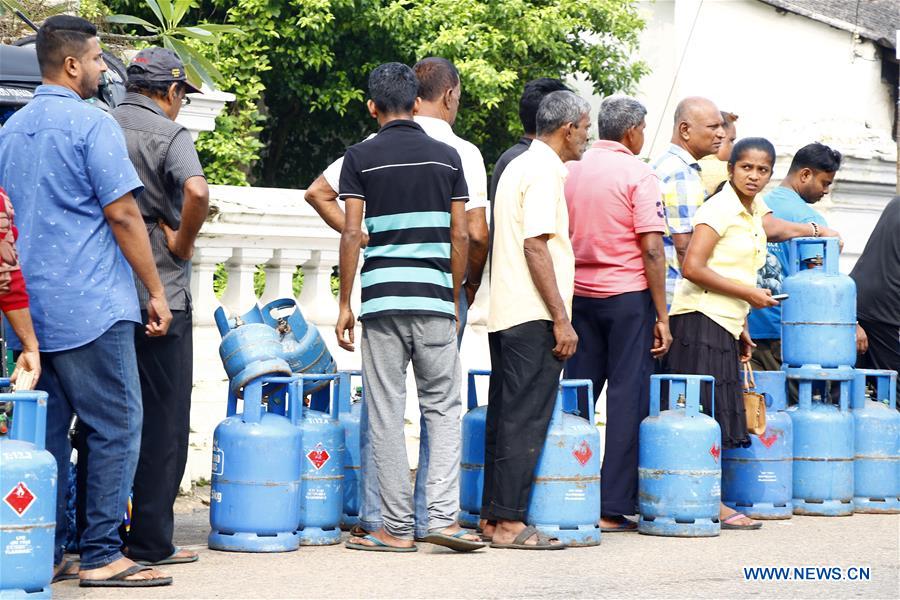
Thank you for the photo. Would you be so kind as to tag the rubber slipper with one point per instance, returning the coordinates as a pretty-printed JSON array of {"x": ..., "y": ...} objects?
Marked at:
[
  {"x": 379, "y": 546},
  {"x": 174, "y": 559},
  {"x": 727, "y": 524},
  {"x": 454, "y": 541},
  {"x": 543, "y": 541},
  {"x": 358, "y": 531},
  {"x": 119, "y": 579},
  {"x": 624, "y": 526},
  {"x": 63, "y": 574}
]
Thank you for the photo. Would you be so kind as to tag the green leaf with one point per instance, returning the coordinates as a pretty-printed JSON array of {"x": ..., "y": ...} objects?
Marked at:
[
  {"x": 195, "y": 32},
  {"x": 131, "y": 20},
  {"x": 152, "y": 4},
  {"x": 220, "y": 28},
  {"x": 181, "y": 8},
  {"x": 194, "y": 60},
  {"x": 168, "y": 11}
]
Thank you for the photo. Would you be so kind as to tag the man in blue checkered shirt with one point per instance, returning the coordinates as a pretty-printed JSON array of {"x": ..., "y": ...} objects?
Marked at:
[{"x": 698, "y": 132}]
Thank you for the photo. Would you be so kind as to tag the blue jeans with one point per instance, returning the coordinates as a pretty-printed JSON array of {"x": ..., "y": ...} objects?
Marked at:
[
  {"x": 370, "y": 502},
  {"x": 99, "y": 383}
]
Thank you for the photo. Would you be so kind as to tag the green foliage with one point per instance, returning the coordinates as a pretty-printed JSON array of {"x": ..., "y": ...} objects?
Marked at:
[
  {"x": 220, "y": 281},
  {"x": 166, "y": 29},
  {"x": 231, "y": 151},
  {"x": 299, "y": 71},
  {"x": 315, "y": 90}
]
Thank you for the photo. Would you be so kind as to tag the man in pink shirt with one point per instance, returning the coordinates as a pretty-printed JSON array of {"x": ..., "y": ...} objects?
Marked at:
[{"x": 616, "y": 223}]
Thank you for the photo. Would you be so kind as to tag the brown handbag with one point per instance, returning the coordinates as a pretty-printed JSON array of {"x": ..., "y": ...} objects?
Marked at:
[{"x": 754, "y": 404}]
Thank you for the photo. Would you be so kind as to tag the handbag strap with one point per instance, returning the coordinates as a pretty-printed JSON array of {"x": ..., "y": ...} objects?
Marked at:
[{"x": 749, "y": 382}]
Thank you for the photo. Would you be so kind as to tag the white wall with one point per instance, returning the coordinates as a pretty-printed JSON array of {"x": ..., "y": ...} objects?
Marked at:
[{"x": 788, "y": 77}]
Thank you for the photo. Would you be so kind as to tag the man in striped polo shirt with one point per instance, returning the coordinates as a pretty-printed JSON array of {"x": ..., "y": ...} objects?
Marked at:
[{"x": 413, "y": 192}]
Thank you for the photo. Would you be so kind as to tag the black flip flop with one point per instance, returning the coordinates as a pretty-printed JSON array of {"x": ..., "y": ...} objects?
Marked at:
[
  {"x": 454, "y": 541},
  {"x": 543, "y": 541},
  {"x": 62, "y": 575},
  {"x": 359, "y": 531},
  {"x": 624, "y": 526},
  {"x": 119, "y": 579},
  {"x": 174, "y": 559}
]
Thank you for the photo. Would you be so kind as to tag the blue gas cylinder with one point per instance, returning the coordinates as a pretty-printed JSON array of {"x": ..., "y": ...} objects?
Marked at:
[
  {"x": 565, "y": 497},
  {"x": 757, "y": 480},
  {"x": 28, "y": 502},
  {"x": 876, "y": 422},
  {"x": 249, "y": 349},
  {"x": 256, "y": 466},
  {"x": 679, "y": 473},
  {"x": 321, "y": 493},
  {"x": 471, "y": 468},
  {"x": 349, "y": 413},
  {"x": 818, "y": 320},
  {"x": 823, "y": 445},
  {"x": 302, "y": 344}
]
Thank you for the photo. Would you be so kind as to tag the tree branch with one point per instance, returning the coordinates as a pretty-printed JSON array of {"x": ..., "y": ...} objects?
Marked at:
[{"x": 121, "y": 37}]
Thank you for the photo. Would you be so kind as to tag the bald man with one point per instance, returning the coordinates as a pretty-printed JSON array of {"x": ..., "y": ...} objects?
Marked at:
[{"x": 699, "y": 131}]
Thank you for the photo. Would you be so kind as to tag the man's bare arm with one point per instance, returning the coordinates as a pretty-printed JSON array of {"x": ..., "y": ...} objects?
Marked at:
[
  {"x": 478, "y": 250},
  {"x": 30, "y": 358},
  {"x": 128, "y": 227},
  {"x": 193, "y": 214},
  {"x": 323, "y": 199},
  {"x": 349, "y": 259},
  {"x": 654, "y": 258},
  {"x": 681, "y": 241},
  {"x": 540, "y": 266},
  {"x": 459, "y": 247}
]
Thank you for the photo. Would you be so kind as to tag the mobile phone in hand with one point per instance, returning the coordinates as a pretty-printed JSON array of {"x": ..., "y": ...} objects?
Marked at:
[{"x": 781, "y": 297}]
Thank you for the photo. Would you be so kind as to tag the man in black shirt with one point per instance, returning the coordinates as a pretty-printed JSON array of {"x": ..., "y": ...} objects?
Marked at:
[
  {"x": 877, "y": 276},
  {"x": 174, "y": 205},
  {"x": 534, "y": 92}
]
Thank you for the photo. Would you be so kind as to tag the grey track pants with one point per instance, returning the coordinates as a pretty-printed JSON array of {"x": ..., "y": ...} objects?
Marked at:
[{"x": 388, "y": 345}]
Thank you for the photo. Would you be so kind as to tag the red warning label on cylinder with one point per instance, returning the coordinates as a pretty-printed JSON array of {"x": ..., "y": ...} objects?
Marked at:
[
  {"x": 20, "y": 499},
  {"x": 715, "y": 452},
  {"x": 767, "y": 439},
  {"x": 318, "y": 456},
  {"x": 582, "y": 452}
]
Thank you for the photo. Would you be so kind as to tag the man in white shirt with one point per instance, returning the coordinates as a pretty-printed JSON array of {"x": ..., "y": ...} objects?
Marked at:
[{"x": 439, "y": 95}]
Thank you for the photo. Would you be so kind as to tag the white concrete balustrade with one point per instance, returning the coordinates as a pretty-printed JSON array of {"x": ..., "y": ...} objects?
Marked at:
[{"x": 276, "y": 228}]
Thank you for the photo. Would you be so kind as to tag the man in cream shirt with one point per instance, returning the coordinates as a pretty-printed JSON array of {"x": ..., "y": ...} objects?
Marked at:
[{"x": 529, "y": 328}]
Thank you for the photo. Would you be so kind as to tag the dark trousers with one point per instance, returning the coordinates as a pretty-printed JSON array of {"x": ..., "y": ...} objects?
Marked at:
[
  {"x": 165, "y": 365},
  {"x": 99, "y": 383},
  {"x": 614, "y": 339},
  {"x": 521, "y": 396},
  {"x": 884, "y": 346}
]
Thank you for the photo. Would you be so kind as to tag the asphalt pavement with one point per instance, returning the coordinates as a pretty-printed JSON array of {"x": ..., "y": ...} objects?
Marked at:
[{"x": 624, "y": 565}]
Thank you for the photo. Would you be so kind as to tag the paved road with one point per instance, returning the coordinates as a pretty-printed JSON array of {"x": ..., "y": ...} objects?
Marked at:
[{"x": 623, "y": 566}]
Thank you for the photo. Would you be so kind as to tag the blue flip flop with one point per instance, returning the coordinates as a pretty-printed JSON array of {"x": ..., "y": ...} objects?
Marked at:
[
  {"x": 379, "y": 546},
  {"x": 454, "y": 541}
]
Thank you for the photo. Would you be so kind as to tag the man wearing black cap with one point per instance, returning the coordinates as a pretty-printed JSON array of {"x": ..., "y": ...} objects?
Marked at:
[{"x": 174, "y": 205}]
